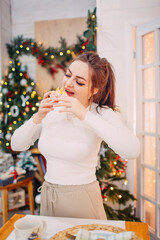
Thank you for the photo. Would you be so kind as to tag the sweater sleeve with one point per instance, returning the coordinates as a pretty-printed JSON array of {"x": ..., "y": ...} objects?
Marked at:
[
  {"x": 110, "y": 128},
  {"x": 25, "y": 136}
]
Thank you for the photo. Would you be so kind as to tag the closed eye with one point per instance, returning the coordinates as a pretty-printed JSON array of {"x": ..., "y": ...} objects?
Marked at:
[
  {"x": 81, "y": 84},
  {"x": 67, "y": 75}
]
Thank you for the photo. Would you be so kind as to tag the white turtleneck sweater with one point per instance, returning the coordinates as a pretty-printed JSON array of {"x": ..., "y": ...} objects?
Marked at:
[{"x": 70, "y": 146}]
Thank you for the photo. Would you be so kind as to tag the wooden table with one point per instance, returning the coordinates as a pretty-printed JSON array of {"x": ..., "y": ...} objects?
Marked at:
[
  {"x": 140, "y": 229},
  {"x": 26, "y": 182}
]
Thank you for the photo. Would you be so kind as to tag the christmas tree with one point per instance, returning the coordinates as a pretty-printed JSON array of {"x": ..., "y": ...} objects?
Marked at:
[
  {"x": 110, "y": 172},
  {"x": 18, "y": 101}
]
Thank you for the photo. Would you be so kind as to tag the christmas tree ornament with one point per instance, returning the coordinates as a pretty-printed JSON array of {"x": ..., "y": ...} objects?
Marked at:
[
  {"x": 24, "y": 100},
  {"x": 11, "y": 82},
  {"x": 14, "y": 111},
  {"x": 10, "y": 75},
  {"x": 27, "y": 109},
  {"x": 5, "y": 104},
  {"x": 4, "y": 91},
  {"x": 23, "y": 82},
  {"x": 8, "y": 136},
  {"x": 1, "y": 135},
  {"x": 29, "y": 89},
  {"x": 6, "y": 119}
]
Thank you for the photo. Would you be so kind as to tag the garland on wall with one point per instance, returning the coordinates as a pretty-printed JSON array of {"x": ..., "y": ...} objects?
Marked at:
[{"x": 55, "y": 58}]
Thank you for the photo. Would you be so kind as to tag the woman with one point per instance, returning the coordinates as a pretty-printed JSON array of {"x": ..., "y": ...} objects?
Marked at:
[{"x": 70, "y": 132}]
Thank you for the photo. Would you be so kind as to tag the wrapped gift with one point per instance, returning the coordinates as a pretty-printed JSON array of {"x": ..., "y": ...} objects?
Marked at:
[{"x": 14, "y": 176}]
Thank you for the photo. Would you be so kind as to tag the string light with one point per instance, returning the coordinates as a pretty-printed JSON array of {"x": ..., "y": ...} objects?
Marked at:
[
  {"x": 46, "y": 54},
  {"x": 13, "y": 69},
  {"x": 120, "y": 196},
  {"x": 8, "y": 106},
  {"x": 1, "y": 94},
  {"x": 106, "y": 199},
  {"x": 27, "y": 103},
  {"x": 96, "y": 28},
  {"x": 114, "y": 173},
  {"x": 111, "y": 188},
  {"x": 17, "y": 52},
  {"x": 7, "y": 144},
  {"x": 14, "y": 122},
  {"x": 61, "y": 53},
  {"x": 10, "y": 128},
  {"x": 16, "y": 92},
  {"x": 2, "y": 82},
  {"x": 33, "y": 108},
  {"x": 10, "y": 62},
  {"x": 21, "y": 46},
  {"x": 37, "y": 104},
  {"x": 21, "y": 74},
  {"x": 83, "y": 47},
  {"x": 1, "y": 103},
  {"x": 125, "y": 182},
  {"x": 119, "y": 173},
  {"x": 40, "y": 43},
  {"x": 39, "y": 98},
  {"x": 18, "y": 63},
  {"x": 9, "y": 113},
  {"x": 9, "y": 99},
  {"x": 0, "y": 131},
  {"x": 27, "y": 48},
  {"x": 24, "y": 92},
  {"x": 115, "y": 163},
  {"x": 5, "y": 83},
  {"x": 52, "y": 56},
  {"x": 68, "y": 51},
  {"x": 32, "y": 83},
  {"x": 24, "y": 113},
  {"x": 32, "y": 43}
]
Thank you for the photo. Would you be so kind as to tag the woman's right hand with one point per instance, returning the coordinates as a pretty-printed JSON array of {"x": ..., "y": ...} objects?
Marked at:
[{"x": 46, "y": 105}]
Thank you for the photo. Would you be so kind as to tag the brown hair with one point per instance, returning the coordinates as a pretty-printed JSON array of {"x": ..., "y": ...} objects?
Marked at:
[{"x": 102, "y": 77}]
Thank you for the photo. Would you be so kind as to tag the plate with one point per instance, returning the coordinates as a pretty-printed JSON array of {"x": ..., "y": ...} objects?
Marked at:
[{"x": 90, "y": 227}]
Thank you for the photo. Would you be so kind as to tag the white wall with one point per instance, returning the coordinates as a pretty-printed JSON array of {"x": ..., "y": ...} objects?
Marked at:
[
  {"x": 5, "y": 34},
  {"x": 116, "y": 19},
  {"x": 26, "y": 13}
]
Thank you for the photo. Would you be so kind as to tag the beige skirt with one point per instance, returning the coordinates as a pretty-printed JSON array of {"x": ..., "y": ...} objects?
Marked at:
[{"x": 75, "y": 201}]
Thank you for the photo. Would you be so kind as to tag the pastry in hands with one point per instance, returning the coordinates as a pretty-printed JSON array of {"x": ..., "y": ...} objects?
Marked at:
[{"x": 58, "y": 92}]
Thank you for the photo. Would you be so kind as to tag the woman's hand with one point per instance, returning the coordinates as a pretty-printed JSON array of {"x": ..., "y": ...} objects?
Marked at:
[
  {"x": 46, "y": 105},
  {"x": 72, "y": 105}
]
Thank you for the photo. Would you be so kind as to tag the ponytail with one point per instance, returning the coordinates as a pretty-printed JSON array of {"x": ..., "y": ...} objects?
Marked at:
[{"x": 102, "y": 77}]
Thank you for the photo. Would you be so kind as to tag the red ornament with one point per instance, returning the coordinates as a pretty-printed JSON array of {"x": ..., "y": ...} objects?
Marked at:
[
  {"x": 9, "y": 148},
  {"x": 30, "y": 105},
  {"x": 26, "y": 75},
  {"x": 86, "y": 43},
  {"x": 41, "y": 61},
  {"x": 25, "y": 43},
  {"x": 9, "y": 94},
  {"x": 34, "y": 50}
]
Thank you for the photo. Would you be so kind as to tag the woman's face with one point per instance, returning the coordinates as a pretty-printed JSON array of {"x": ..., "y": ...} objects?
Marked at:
[{"x": 76, "y": 82}]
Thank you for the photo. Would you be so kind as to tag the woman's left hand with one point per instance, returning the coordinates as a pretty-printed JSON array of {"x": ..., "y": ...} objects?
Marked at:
[{"x": 72, "y": 105}]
